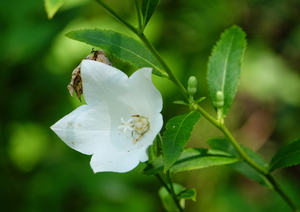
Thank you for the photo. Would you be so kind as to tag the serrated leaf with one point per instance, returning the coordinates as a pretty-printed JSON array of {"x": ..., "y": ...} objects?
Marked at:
[
  {"x": 242, "y": 167},
  {"x": 191, "y": 159},
  {"x": 176, "y": 136},
  {"x": 188, "y": 194},
  {"x": 148, "y": 8},
  {"x": 288, "y": 155},
  {"x": 121, "y": 46},
  {"x": 52, "y": 6},
  {"x": 224, "y": 66}
]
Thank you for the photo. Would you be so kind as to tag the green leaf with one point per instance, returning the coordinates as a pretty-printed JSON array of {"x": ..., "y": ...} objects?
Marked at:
[
  {"x": 191, "y": 159},
  {"x": 177, "y": 134},
  {"x": 180, "y": 102},
  {"x": 223, "y": 144},
  {"x": 188, "y": 194},
  {"x": 200, "y": 100},
  {"x": 52, "y": 6},
  {"x": 148, "y": 8},
  {"x": 167, "y": 199},
  {"x": 224, "y": 66},
  {"x": 154, "y": 150},
  {"x": 288, "y": 155},
  {"x": 121, "y": 46}
]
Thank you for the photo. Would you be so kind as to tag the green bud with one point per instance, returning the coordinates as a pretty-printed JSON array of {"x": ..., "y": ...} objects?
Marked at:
[
  {"x": 192, "y": 86},
  {"x": 220, "y": 99}
]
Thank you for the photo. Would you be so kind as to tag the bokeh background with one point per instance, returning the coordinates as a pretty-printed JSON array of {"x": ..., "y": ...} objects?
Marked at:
[{"x": 38, "y": 172}]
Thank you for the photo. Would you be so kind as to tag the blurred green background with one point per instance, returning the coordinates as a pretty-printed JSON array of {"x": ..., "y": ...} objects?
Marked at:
[{"x": 40, "y": 173}]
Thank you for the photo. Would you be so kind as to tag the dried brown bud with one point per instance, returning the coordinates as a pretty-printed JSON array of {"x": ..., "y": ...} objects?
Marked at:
[{"x": 76, "y": 81}]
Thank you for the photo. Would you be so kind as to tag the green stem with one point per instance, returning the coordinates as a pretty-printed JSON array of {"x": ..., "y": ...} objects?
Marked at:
[
  {"x": 138, "y": 12},
  {"x": 233, "y": 142},
  {"x": 278, "y": 189},
  {"x": 163, "y": 182},
  {"x": 220, "y": 126},
  {"x": 164, "y": 64},
  {"x": 241, "y": 152},
  {"x": 247, "y": 159},
  {"x": 173, "y": 192},
  {"x": 117, "y": 17}
]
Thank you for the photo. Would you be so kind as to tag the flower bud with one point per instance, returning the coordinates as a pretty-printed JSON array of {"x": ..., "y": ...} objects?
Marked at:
[
  {"x": 192, "y": 86},
  {"x": 220, "y": 99}
]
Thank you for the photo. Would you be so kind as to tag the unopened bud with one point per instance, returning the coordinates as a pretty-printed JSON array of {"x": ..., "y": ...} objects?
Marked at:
[
  {"x": 220, "y": 99},
  {"x": 192, "y": 86}
]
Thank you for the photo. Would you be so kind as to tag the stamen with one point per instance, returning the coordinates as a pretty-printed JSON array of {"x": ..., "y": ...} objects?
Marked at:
[{"x": 137, "y": 124}]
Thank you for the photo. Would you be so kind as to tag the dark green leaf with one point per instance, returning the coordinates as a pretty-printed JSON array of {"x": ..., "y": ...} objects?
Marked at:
[
  {"x": 288, "y": 155},
  {"x": 177, "y": 134},
  {"x": 52, "y": 6},
  {"x": 191, "y": 159},
  {"x": 188, "y": 194},
  {"x": 121, "y": 46},
  {"x": 223, "y": 144},
  {"x": 148, "y": 8},
  {"x": 224, "y": 66}
]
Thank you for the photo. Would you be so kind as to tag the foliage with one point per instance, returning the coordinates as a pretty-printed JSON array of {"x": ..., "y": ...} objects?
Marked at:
[
  {"x": 121, "y": 46},
  {"x": 37, "y": 62},
  {"x": 224, "y": 66}
]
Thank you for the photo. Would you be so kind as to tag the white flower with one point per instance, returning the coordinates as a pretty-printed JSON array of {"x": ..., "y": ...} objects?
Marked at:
[{"x": 120, "y": 121}]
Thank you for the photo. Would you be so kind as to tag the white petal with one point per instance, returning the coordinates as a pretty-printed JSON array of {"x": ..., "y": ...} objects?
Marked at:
[
  {"x": 114, "y": 162},
  {"x": 122, "y": 161},
  {"x": 84, "y": 129},
  {"x": 102, "y": 82},
  {"x": 94, "y": 128},
  {"x": 142, "y": 96}
]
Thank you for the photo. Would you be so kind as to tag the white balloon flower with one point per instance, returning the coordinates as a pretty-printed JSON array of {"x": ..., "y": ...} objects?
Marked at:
[{"x": 120, "y": 120}]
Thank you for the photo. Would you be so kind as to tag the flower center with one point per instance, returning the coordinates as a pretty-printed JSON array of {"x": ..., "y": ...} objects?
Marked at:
[{"x": 137, "y": 124}]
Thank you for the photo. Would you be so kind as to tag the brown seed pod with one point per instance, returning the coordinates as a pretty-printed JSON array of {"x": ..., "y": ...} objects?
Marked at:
[{"x": 76, "y": 81}]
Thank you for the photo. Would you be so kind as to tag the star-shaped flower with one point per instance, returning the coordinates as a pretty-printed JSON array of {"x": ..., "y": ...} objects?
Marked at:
[{"x": 120, "y": 121}]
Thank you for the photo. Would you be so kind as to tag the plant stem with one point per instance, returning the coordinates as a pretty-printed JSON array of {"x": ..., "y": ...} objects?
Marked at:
[
  {"x": 163, "y": 182},
  {"x": 233, "y": 142},
  {"x": 138, "y": 12},
  {"x": 117, "y": 17},
  {"x": 247, "y": 159},
  {"x": 241, "y": 152},
  {"x": 171, "y": 76},
  {"x": 277, "y": 188},
  {"x": 173, "y": 192},
  {"x": 170, "y": 190},
  {"x": 164, "y": 64}
]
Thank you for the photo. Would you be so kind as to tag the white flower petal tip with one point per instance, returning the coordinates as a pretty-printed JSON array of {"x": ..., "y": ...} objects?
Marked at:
[{"x": 120, "y": 121}]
